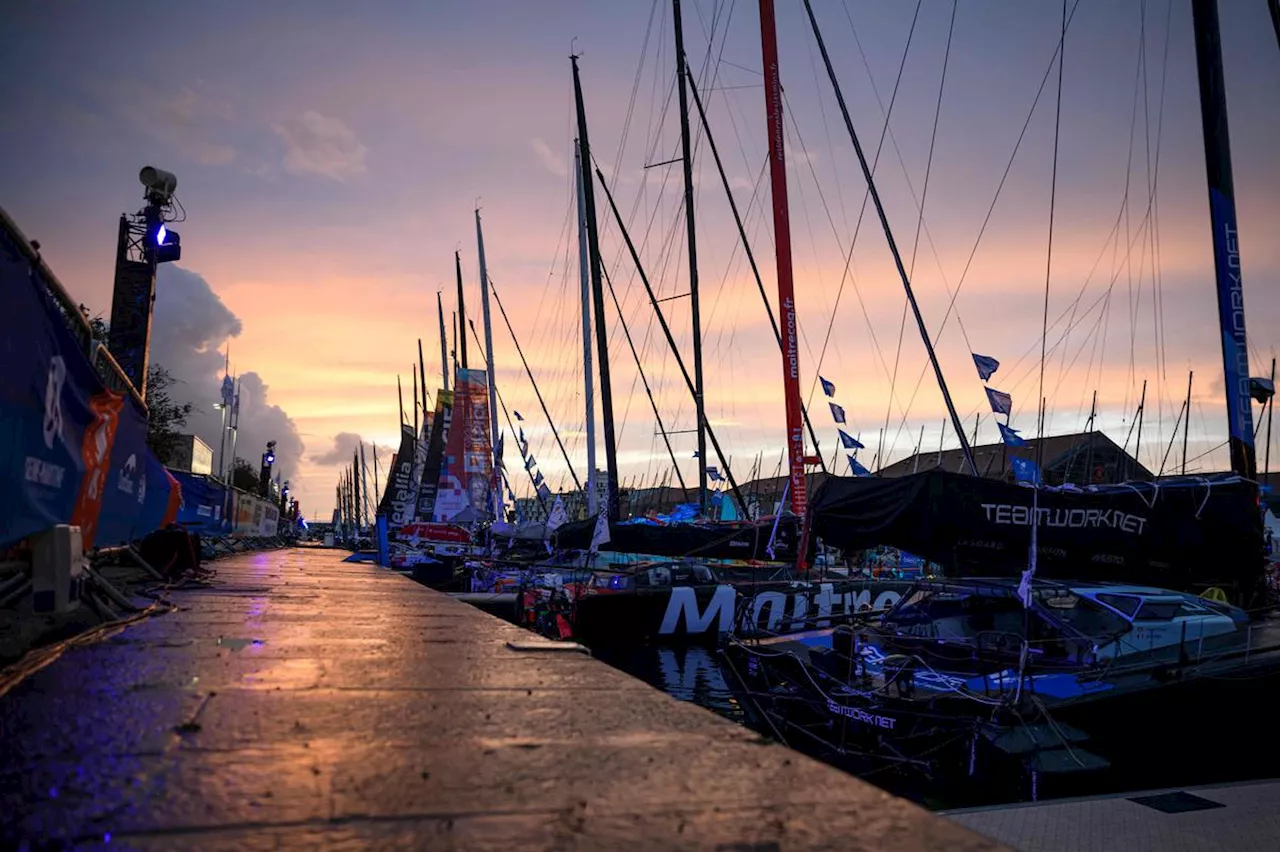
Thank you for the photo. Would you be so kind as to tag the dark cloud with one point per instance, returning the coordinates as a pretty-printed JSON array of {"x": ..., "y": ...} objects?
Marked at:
[
  {"x": 189, "y": 335},
  {"x": 344, "y": 445}
]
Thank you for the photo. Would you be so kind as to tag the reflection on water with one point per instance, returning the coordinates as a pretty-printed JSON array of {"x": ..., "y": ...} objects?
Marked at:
[{"x": 689, "y": 674}]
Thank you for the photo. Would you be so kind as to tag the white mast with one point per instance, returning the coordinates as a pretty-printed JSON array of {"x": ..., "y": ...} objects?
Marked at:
[
  {"x": 588, "y": 386},
  {"x": 495, "y": 433}
]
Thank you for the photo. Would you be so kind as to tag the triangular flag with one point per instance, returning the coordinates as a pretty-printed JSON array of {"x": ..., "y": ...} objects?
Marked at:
[
  {"x": 1001, "y": 402},
  {"x": 1010, "y": 436},
  {"x": 713, "y": 473},
  {"x": 828, "y": 388},
  {"x": 518, "y": 417},
  {"x": 558, "y": 516},
  {"x": 857, "y": 468},
  {"x": 695, "y": 454},
  {"x": 836, "y": 412},
  {"x": 849, "y": 442},
  {"x": 530, "y": 463},
  {"x": 986, "y": 365},
  {"x": 543, "y": 491},
  {"x": 600, "y": 535},
  {"x": 537, "y": 479}
]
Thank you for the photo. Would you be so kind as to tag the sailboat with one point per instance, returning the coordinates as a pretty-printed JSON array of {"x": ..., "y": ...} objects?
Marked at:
[{"x": 1078, "y": 630}]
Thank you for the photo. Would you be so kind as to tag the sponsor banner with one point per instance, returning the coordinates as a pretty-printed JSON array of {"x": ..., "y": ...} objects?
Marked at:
[
  {"x": 203, "y": 502},
  {"x": 398, "y": 500},
  {"x": 435, "y": 454},
  {"x": 65, "y": 440},
  {"x": 253, "y": 516},
  {"x": 466, "y": 475},
  {"x": 1180, "y": 534},
  {"x": 44, "y": 394},
  {"x": 120, "y": 519}
]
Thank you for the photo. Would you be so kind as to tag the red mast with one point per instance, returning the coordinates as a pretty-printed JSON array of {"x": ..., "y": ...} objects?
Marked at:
[{"x": 786, "y": 287}]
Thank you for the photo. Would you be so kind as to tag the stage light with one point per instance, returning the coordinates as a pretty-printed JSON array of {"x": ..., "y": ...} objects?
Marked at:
[{"x": 166, "y": 244}]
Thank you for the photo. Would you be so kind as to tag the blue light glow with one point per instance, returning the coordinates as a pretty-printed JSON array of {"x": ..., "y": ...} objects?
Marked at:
[{"x": 161, "y": 234}]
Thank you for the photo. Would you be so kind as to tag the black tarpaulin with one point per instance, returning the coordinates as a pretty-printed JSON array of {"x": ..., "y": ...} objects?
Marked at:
[
  {"x": 706, "y": 541},
  {"x": 1185, "y": 533}
]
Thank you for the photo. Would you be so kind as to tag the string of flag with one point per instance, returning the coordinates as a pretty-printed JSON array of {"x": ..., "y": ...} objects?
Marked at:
[
  {"x": 847, "y": 441},
  {"x": 1024, "y": 470}
]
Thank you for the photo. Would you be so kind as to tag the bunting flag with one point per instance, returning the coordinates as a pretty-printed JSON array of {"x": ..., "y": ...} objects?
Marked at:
[
  {"x": 1010, "y": 436},
  {"x": 518, "y": 417},
  {"x": 849, "y": 442},
  {"x": 543, "y": 491},
  {"x": 1025, "y": 470},
  {"x": 837, "y": 413},
  {"x": 537, "y": 479},
  {"x": 600, "y": 535},
  {"x": 828, "y": 388},
  {"x": 1001, "y": 402},
  {"x": 530, "y": 463},
  {"x": 856, "y": 467},
  {"x": 558, "y": 517},
  {"x": 695, "y": 454},
  {"x": 986, "y": 365},
  {"x": 713, "y": 473}
]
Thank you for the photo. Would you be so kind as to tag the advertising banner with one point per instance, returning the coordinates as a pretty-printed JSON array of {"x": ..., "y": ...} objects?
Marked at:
[
  {"x": 45, "y": 388},
  {"x": 202, "y": 503},
  {"x": 467, "y": 472},
  {"x": 440, "y": 424}
]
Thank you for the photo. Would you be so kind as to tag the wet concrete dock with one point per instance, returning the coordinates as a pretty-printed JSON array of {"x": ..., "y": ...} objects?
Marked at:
[{"x": 302, "y": 702}]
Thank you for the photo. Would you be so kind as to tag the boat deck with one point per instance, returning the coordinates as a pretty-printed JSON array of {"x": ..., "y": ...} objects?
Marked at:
[
  {"x": 1223, "y": 818},
  {"x": 297, "y": 701}
]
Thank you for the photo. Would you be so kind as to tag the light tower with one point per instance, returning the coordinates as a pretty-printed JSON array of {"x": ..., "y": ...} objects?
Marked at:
[{"x": 144, "y": 241}]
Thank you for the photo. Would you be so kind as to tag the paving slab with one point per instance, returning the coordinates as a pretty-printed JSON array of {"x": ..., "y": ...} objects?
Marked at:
[
  {"x": 302, "y": 702},
  {"x": 1222, "y": 818}
]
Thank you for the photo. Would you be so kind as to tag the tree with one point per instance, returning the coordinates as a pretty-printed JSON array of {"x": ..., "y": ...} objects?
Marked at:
[
  {"x": 166, "y": 418},
  {"x": 244, "y": 475}
]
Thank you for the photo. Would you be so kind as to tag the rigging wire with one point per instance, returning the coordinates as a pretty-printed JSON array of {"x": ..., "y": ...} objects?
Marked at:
[
  {"x": 875, "y": 161},
  {"x": 924, "y": 194},
  {"x": 1048, "y": 264},
  {"x": 986, "y": 221}
]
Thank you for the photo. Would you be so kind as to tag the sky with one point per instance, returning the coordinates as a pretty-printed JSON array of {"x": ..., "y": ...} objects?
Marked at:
[{"x": 330, "y": 157}]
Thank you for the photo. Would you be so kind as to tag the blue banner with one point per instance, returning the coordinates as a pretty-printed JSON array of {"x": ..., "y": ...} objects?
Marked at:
[
  {"x": 119, "y": 521},
  {"x": 204, "y": 503},
  {"x": 45, "y": 388},
  {"x": 71, "y": 451},
  {"x": 1235, "y": 351}
]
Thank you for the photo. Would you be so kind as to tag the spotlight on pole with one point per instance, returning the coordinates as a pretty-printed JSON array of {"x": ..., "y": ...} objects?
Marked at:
[{"x": 264, "y": 476}]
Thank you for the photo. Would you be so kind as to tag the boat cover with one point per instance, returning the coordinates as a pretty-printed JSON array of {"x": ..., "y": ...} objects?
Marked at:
[
  {"x": 1185, "y": 533},
  {"x": 705, "y": 541}
]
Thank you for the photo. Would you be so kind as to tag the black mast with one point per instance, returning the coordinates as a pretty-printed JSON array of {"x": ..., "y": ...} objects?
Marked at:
[
  {"x": 746, "y": 248},
  {"x": 686, "y": 157},
  {"x": 422, "y": 371},
  {"x": 597, "y": 297},
  {"x": 1226, "y": 241},
  {"x": 444, "y": 349},
  {"x": 460, "y": 339},
  {"x": 893, "y": 245},
  {"x": 671, "y": 342}
]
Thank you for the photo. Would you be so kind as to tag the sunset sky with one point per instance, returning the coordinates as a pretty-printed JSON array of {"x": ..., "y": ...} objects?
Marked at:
[{"x": 330, "y": 155}]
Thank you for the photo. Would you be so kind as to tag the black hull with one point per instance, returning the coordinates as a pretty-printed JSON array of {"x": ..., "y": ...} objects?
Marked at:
[
  {"x": 701, "y": 614},
  {"x": 940, "y": 750}
]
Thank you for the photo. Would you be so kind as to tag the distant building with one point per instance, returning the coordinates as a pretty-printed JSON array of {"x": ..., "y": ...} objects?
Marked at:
[
  {"x": 191, "y": 455},
  {"x": 1082, "y": 458}
]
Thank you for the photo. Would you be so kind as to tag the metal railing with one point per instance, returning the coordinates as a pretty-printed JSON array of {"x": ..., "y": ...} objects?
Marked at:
[{"x": 99, "y": 356}]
